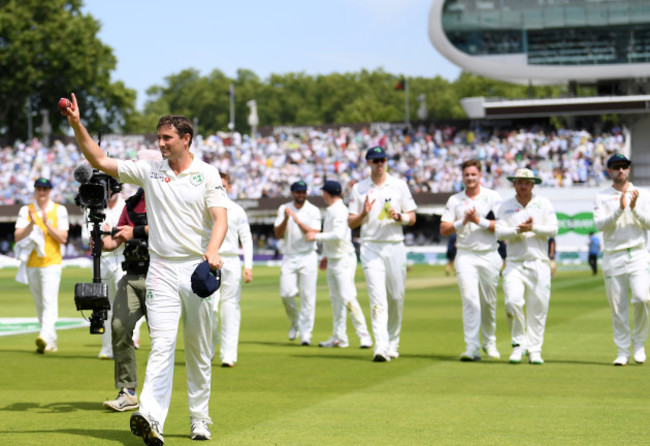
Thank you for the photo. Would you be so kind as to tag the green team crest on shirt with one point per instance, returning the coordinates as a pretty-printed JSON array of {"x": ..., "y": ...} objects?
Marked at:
[
  {"x": 149, "y": 295},
  {"x": 197, "y": 179}
]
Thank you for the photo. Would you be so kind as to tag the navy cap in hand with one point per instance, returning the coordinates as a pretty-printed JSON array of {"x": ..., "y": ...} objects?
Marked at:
[{"x": 205, "y": 282}]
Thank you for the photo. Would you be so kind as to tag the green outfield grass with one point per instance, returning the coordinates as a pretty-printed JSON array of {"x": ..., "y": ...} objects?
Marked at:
[{"x": 282, "y": 394}]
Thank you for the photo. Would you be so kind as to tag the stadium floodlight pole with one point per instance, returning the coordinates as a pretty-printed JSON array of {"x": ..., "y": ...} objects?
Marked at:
[{"x": 231, "y": 93}]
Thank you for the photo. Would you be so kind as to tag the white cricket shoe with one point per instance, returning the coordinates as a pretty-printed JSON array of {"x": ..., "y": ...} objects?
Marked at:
[
  {"x": 535, "y": 358},
  {"x": 366, "y": 341},
  {"x": 293, "y": 333},
  {"x": 330, "y": 343},
  {"x": 639, "y": 354},
  {"x": 517, "y": 354},
  {"x": 200, "y": 430},
  {"x": 147, "y": 428},
  {"x": 492, "y": 352},
  {"x": 620, "y": 360},
  {"x": 105, "y": 354},
  {"x": 43, "y": 346},
  {"x": 470, "y": 355},
  {"x": 124, "y": 401}
]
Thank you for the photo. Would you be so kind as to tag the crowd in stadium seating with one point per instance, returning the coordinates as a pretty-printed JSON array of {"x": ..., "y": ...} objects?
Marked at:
[{"x": 429, "y": 160}]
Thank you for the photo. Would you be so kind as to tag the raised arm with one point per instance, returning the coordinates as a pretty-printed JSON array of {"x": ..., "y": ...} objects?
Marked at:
[{"x": 93, "y": 153}]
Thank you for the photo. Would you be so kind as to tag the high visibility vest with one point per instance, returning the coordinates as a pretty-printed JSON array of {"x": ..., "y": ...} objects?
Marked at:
[{"x": 52, "y": 247}]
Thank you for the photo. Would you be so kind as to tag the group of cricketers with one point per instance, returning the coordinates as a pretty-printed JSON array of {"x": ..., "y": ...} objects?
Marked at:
[{"x": 190, "y": 219}]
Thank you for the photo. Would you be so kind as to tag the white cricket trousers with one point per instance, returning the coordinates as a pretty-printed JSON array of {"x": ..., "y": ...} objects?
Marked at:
[
  {"x": 227, "y": 311},
  {"x": 44, "y": 285},
  {"x": 478, "y": 277},
  {"x": 299, "y": 273},
  {"x": 111, "y": 273},
  {"x": 384, "y": 265},
  {"x": 527, "y": 283},
  {"x": 169, "y": 298},
  {"x": 627, "y": 272},
  {"x": 343, "y": 294}
]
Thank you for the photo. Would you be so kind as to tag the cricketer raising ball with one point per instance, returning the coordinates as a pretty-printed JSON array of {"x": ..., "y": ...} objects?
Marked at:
[{"x": 64, "y": 104}]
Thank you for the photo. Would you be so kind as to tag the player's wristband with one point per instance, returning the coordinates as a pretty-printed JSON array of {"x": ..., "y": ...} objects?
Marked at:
[
  {"x": 405, "y": 219},
  {"x": 139, "y": 232},
  {"x": 458, "y": 224},
  {"x": 484, "y": 223}
]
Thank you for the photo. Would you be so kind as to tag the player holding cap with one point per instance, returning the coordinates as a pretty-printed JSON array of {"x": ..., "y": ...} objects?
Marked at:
[
  {"x": 341, "y": 267},
  {"x": 526, "y": 221},
  {"x": 187, "y": 221},
  {"x": 299, "y": 270},
  {"x": 381, "y": 205},
  {"x": 477, "y": 261},
  {"x": 622, "y": 212}
]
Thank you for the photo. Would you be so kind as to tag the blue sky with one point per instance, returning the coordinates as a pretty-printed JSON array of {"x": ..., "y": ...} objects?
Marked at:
[{"x": 155, "y": 38}]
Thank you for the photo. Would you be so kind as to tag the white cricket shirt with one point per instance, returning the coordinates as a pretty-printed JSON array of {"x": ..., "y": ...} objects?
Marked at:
[
  {"x": 178, "y": 214},
  {"x": 531, "y": 245},
  {"x": 378, "y": 226},
  {"x": 336, "y": 236},
  {"x": 238, "y": 229},
  {"x": 294, "y": 239},
  {"x": 622, "y": 228},
  {"x": 471, "y": 236}
]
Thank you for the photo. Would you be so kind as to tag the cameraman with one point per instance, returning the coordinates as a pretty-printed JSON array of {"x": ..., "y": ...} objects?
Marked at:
[
  {"x": 111, "y": 263},
  {"x": 129, "y": 305}
]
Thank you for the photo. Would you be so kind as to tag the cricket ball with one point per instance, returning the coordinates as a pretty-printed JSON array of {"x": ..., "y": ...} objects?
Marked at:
[{"x": 64, "y": 104}]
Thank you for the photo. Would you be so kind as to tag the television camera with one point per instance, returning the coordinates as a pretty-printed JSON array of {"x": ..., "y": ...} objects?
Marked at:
[{"x": 94, "y": 192}]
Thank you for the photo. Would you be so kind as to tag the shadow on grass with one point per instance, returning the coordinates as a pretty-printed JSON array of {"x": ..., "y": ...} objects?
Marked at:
[
  {"x": 68, "y": 406},
  {"x": 121, "y": 436}
]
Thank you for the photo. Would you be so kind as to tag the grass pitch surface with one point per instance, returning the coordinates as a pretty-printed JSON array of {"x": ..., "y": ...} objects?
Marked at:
[{"x": 280, "y": 393}]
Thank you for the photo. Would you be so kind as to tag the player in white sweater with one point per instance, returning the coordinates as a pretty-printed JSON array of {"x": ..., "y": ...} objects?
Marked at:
[{"x": 341, "y": 266}]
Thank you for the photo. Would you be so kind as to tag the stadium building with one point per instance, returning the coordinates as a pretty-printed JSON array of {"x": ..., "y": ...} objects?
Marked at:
[{"x": 604, "y": 44}]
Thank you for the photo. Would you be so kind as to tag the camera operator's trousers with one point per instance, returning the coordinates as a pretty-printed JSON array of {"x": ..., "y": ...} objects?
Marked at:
[
  {"x": 111, "y": 273},
  {"x": 626, "y": 273},
  {"x": 527, "y": 283},
  {"x": 299, "y": 273},
  {"x": 478, "y": 277},
  {"x": 169, "y": 298},
  {"x": 128, "y": 308},
  {"x": 343, "y": 294},
  {"x": 227, "y": 311},
  {"x": 44, "y": 285},
  {"x": 384, "y": 265}
]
